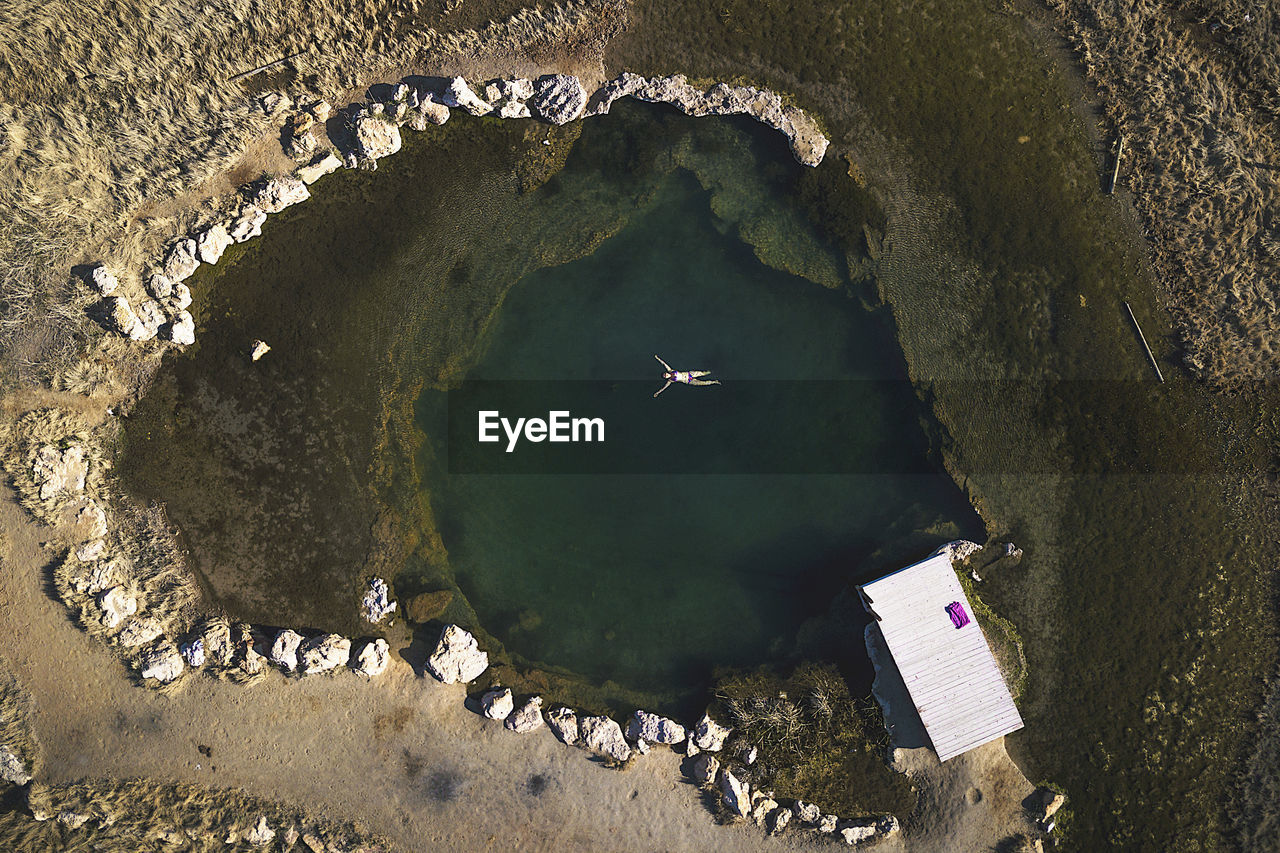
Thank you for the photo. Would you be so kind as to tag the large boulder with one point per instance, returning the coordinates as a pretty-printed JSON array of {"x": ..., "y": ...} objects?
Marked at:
[
  {"x": 497, "y": 704},
  {"x": 163, "y": 663},
  {"x": 526, "y": 718},
  {"x": 457, "y": 657},
  {"x": 376, "y": 136},
  {"x": 101, "y": 279},
  {"x": 139, "y": 632},
  {"x": 212, "y": 242},
  {"x": 182, "y": 331},
  {"x": 459, "y": 94},
  {"x": 376, "y": 604},
  {"x": 373, "y": 658},
  {"x": 275, "y": 194},
  {"x": 181, "y": 261},
  {"x": 559, "y": 98},
  {"x": 563, "y": 723},
  {"x": 247, "y": 224},
  {"x": 119, "y": 316},
  {"x": 604, "y": 735},
  {"x": 284, "y": 651},
  {"x": 709, "y": 735},
  {"x": 117, "y": 604},
  {"x": 12, "y": 768},
  {"x": 58, "y": 472},
  {"x": 654, "y": 729},
  {"x": 705, "y": 769},
  {"x": 736, "y": 793},
  {"x": 323, "y": 654}
]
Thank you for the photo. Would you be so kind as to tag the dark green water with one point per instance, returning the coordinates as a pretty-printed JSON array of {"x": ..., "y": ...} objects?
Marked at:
[{"x": 651, "y": 579}]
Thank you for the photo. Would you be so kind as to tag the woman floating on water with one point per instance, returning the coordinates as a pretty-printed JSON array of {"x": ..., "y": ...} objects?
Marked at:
[{"x": 684, "y": 377}]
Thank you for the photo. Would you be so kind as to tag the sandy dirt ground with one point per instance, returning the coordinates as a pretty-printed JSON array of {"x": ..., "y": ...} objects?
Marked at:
[{"x": 403, "y": 757}]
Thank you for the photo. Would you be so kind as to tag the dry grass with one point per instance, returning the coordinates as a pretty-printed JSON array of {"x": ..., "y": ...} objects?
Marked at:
[
  {"x": 16, "y": 735},
  {"x": 1197, "y": 107},
  {"x": 141, "y": 815},
  {"x": 23, "y": 441}
]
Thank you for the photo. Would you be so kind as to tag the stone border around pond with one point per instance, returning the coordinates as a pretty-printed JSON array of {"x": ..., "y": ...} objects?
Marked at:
[{"x": 370, "y": 131}]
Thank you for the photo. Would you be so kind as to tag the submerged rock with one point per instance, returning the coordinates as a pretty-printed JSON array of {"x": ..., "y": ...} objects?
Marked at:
[
  {"x": 457, "y": 657},
  {"x": 373, "y": 658},
  {"x": 559, "y": 98},
  {"x": 376, "y": 136},
  {"x": 654, "y": 729},
  {"x": 563, "y": 723},
  {"x": 275, "y": 194},
  {"x": 427, "y": 606},
  {"x": 604, "y": 735},
  {"x": 181, "y": 261},
  {"x": 709, "y": 735},
  {"x": 497, "y": 704},
  {"x": 163, "y": 663},
  {"x": 526, "y": 718},
  {"x": 376, "y": 604},
  {"x": 212, "y": 242},
  {"x": 284, "y": 651},
  {"x": 705, "y": 769},
  {"x": 735, "y": 793},
  {"x": 324, "y": 653}
]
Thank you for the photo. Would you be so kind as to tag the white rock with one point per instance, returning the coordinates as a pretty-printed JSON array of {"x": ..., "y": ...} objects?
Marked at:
[
  {"x": 560, "y": 98},
  {"x": 457, "y": 657},
  {"x": 513, "y": 109},
  {"x": 101, "y": 279},
  {"x": 117, "y": 604},
  {"x": 247, "y": 225},
  {"x": 319, "y": 167},
  {"x": 182, "y": 330},
  {"x": 373, "y": 658},
  {"x": 563, "y": 723},
  {"x": 376, "y": 604},
  {"x": 736, "y": 793},
  {"x": 376, "y": 136},
  {"x": 193, "y": 653},
  {"x": 654, "y": 729},
  {"x": 181, "y": 298},
  {"x": 72, "y": 819},
  {"x": 705, "y": 769},
  {"x": 152, "y": 317},
  {"x": 260, "y": 348},
  {"x": 400, "y": 92},
  {"x": 90, "y": 551},
  {"x": 516, "y": 89},
  {"x": 749, "y": 755},
  {"x": 284, "y": 651},
  {"x": 857, "y": 834},
  {"x": 163, "y": 663},
  {"x": 320, "y": 110},
  {"x": 217, "y": 643},
  {"x": 959, "y": 550},
  {"x": 828, "y": 823},
  {"x": 262, "y": 834},
  {"x": 497, "y": 704},
  {"x": 120, "y": 317},
  {"x": 139, "y": 632},
  {"x": 324, "y": 653},
  {"x": 493, "y": 92},
  {"x": 807, "y": 812},
  {"x": 642, "y": 747},
  {"x": 181, "y": 260},
  {"x": 526, "y": 718},
  {"x": 604, "y": 735},
  {"x": 778, "y": 820},
  {"x": 160, "y": 286},
  {"x": 12, "y": 768},
  {"x": 212, "y": 242},
  {"x": 709, "y": 735},
  {"x": 278, "y": 193},
  {"x": 97, "y": 577},
  {"x": 433, "y": 111},
  {"x": 56, "y": 472},
  {"x": 459, "y": 94},
  {"x": 93, "y": 519},
  {"x": 761, "y": 807}
]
